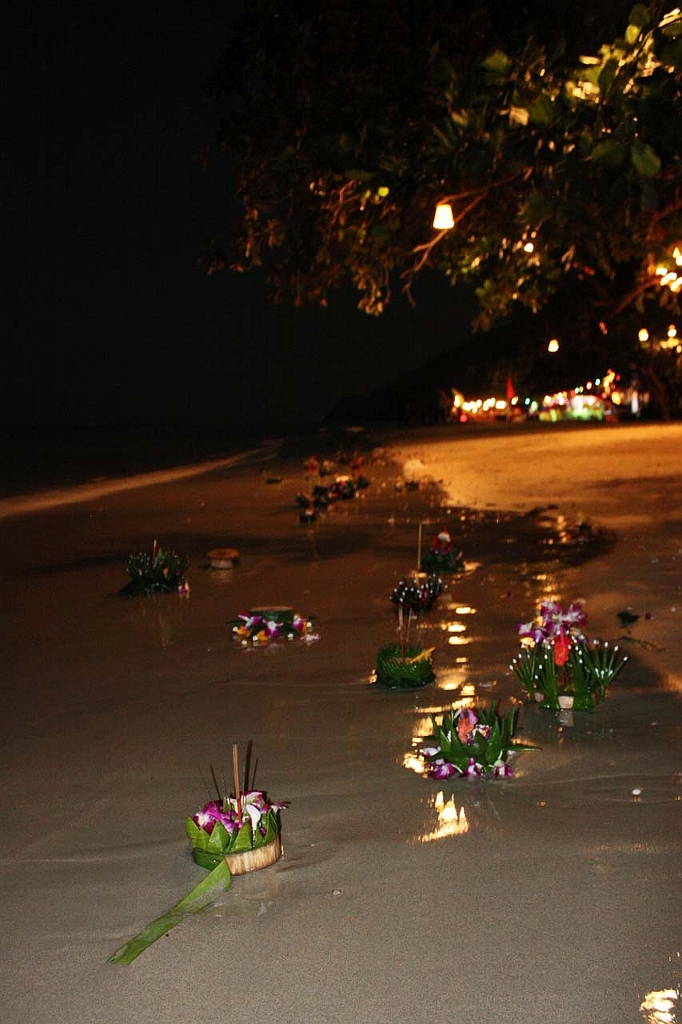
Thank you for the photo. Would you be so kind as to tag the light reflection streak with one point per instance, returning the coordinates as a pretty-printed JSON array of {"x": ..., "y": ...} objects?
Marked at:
[
  {"x": 451, "y": 820},
  {"x": 543, "y": 586},
  {"x": 660, "y": 1007},
  {"x": 453, "y": 679}
]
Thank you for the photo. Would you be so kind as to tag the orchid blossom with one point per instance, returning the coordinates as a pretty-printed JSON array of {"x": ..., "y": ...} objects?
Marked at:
[
  {"x": 465, "y": 725},
  {"x": 442, "y": 769}
]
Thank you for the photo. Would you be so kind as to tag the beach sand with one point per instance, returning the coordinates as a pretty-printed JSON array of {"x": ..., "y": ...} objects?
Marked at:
[{"x": 550, "y": 897}]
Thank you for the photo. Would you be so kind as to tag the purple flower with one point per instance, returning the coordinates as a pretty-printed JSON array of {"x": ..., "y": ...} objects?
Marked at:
[
  {"x": 532, "y": 631},
  {"x": 213, "y": 812},
  {"x": 441, "y": 769},
  {"x": 251, "y": 622},
  {"x": 502, "y": 770},
  {"x": 473, "y": 770}
]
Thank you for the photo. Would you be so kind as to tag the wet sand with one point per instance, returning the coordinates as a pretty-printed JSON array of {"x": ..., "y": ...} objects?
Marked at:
[{"x": 549, "y": 897}]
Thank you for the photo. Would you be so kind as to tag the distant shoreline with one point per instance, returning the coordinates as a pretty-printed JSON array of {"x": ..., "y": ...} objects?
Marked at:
[{"x": 54, "y": 497}]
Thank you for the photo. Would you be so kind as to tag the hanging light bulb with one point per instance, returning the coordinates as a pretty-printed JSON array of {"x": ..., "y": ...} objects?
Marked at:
[{"x": 443, "y": 219}]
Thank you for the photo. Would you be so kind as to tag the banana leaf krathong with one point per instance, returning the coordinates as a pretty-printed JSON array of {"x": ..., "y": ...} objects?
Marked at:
[
  {"x": 161, "y": 572},
  {"x": 472, "y": 742},
  {"x": 404, "y": 668},
  {"x": 232, "y": 825}
]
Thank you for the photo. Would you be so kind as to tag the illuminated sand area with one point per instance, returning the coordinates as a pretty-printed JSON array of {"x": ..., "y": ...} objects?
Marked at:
[{"x": 548, "y": 898}]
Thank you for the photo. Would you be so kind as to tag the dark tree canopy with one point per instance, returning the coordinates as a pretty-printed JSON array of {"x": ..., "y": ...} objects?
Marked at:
[{"x": 552, "y": 129}]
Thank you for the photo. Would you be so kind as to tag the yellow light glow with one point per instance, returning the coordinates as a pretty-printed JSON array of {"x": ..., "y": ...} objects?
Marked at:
[
  {"x": 553, "y": 345},
  {"x": 451, "y": 820},
  {"x": 660, "y": 1007},
  {"x": 443, "y": 219},
  {"x": 643, "y": 334},
  {"x": 528, "y": 247},
  {"x": 669, "y": 279},
  {"x": 672, "y": 331}
]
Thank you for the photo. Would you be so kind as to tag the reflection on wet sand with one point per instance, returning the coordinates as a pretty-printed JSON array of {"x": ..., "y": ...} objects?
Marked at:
[
  {"x": 660, "y": 1007},
  {"x": 452, "y": 821}
]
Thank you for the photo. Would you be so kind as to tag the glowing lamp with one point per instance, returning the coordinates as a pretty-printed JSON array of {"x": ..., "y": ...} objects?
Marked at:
[
  {"x": 443, "y": 219},
  {"x": 553, "y": 345},
  {"x": 643, "y": 334}
]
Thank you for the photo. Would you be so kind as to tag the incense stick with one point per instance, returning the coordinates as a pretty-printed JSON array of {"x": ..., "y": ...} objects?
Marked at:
[
  {"x": 235, "y": 772},
  {"x": 419, "y": 550}
]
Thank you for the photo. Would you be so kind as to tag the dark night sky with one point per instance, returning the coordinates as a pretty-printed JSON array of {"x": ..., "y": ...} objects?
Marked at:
[{"x": 106, "y": 315}]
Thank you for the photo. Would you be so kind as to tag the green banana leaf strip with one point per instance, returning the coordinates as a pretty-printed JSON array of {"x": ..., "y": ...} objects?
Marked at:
[{"x": 201, "y": 896}]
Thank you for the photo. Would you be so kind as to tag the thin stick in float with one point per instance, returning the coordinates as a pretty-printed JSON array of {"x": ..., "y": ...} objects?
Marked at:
[
  {"x": 235, "y": 772},
  {"x": 419, "y": 549}
]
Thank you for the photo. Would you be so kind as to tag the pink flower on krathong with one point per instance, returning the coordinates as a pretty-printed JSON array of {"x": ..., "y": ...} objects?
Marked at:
[
  {"x": 531, "y": 631},
  {"x": 272, "y": 629},
  {"x": 212, "y": 813},
  {"x": 473, "y": 770},
  {"x": 441, "y": 769},
  {"x": 251, "y": 622},
  {"x": 442, "y": 543},
  {"x": 482, "y": 730},
  {"x": 575, "y": 616},
  {"x": 465, "y": 725},
  {"x": 502, "y": 770},
  {"x": 204, "y": 818},
  {"x": 299, "y": 623},
  {"x": 549, "y": 610}
]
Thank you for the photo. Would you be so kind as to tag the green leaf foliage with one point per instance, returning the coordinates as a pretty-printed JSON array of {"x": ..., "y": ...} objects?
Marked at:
[
  {"x": 644, "y": 160},
  {"x": 496, "y": 63},
  {"x": 639, "y": 16},
  {"x": 341, "y": 151}
]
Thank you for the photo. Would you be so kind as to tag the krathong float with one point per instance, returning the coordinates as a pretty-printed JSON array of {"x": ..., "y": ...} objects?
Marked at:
[
  {"x": 222, "y": 558},
  {"x": 418, "y": 593},
  {"x": 262, "y": 626},
  {"x": 342, "y": 488},
  {"x": 242, "y": 830},
  {"x": 231, "y": 835},
  {"x": 471, "y": 742},
  {"x": 404, "y": 665},
  {"x": 558, "y": 666},
  {"x": 162, "y": 572},
  {"x": 441, "y": 558}
]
